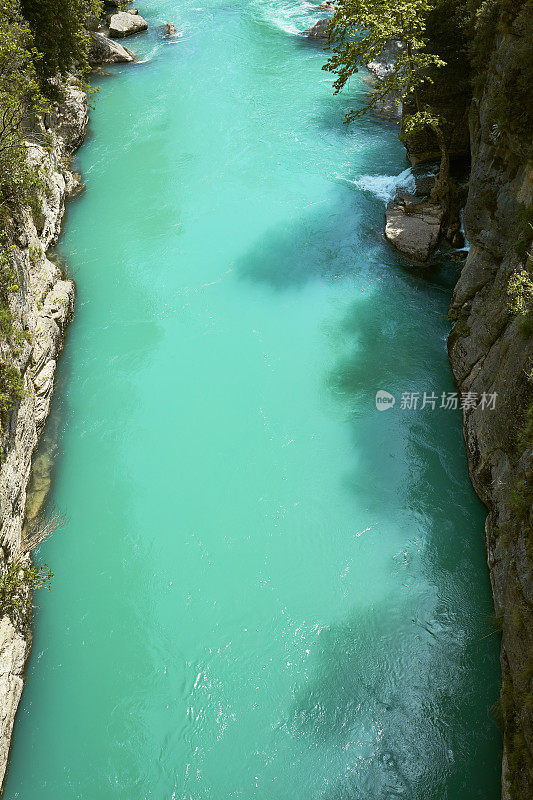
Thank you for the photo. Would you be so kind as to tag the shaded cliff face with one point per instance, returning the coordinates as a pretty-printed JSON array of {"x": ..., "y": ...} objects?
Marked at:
[
  {"x": 42, "y": 307},
  {"x": 491, "y": 351}
]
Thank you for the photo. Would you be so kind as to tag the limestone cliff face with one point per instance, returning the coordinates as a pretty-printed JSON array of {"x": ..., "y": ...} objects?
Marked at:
[
  {"x": 42, "y": 307},
  {"x": 490, "y": 352}
]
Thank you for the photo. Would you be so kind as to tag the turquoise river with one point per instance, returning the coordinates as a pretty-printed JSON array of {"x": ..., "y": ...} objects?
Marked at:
[{"x": 267, "y": 588}]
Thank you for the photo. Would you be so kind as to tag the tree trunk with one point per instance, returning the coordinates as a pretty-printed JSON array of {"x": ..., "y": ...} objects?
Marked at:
[{"x": 441, "y": 190}]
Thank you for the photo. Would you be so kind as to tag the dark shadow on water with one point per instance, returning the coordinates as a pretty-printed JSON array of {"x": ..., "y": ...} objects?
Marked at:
[
  {"x": 369, "y": 695},
  {"x": 429, "y": 680},
  {"x": 405, "y": 685},
  {"x": 338, "y": 238},
  {"x": 330, "y": 243}
]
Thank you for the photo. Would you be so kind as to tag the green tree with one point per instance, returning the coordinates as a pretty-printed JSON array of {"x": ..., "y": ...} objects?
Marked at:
[
  {"x": 360, "y": 32},
  {"x": 20, "y": 102},
  {"x": 60, "y": 33}
]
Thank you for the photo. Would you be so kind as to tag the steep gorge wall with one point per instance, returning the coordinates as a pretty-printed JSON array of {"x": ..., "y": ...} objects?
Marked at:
[
  {"x": 491, "y": 351},
  {"x": 41, "y": 308}
]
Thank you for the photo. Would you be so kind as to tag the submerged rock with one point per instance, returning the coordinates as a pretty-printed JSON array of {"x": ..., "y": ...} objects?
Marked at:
[
  {"x": 319, "y": 30},
  {"x": 125, "y": 24},
  {"x": 106, "y": 51},
  {"x": 413, "y": 228}
]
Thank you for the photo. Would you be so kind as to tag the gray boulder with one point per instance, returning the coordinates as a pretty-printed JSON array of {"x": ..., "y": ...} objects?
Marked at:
[
  {"x": 106, "y": 51},
  {"x": 319, "y": 30},
  {"x": 124, "y": 24},
  {"x": 413, "y": 228}
]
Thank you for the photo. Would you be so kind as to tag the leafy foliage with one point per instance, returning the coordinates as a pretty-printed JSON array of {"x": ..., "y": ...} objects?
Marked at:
[
  {"x": 520, "y": 288},
  {"x": 20, "y": 102},
  {"x": 60, "y": 34},
  {"x": 520, "y": 291},
  {"x": 11, "y": 385},
  {"x": 360, "y": 33},
  {"x": 362, "y": 30},
  {"x": 17, "y": 579},
  {"x": 11, "y": 389}
]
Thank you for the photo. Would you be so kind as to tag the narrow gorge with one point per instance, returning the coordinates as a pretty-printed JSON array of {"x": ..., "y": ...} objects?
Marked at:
[{"x": 266, "y": 585}]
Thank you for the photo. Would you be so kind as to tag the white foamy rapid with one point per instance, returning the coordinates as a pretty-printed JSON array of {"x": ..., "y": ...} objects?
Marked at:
[
  {"x": 384, "y": 186},
  {"x": 293, "y": 18},
  {"x": 467, "y": 243}
]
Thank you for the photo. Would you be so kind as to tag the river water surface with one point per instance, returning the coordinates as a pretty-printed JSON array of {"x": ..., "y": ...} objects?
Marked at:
[{"x": 267, "y": 588}]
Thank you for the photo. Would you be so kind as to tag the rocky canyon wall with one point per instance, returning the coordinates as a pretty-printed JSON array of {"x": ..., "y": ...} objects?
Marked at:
[
  {"x": 41, "y": 307},
  {"x": 491, "y": 350}
]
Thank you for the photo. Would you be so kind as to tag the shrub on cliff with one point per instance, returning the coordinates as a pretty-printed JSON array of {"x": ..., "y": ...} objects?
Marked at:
[
  {"x": 20, "y": 102},
  {"x": 60, "y": 34},
  {"x": 17, "y": 580}
]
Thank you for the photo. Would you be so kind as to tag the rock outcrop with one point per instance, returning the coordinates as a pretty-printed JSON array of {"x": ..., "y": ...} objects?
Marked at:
[
  {"x": 319, "y": 30},
  {"x": 106, "y": 51},
  {"x": 413, "y": 227},
  {"x": 41, "y": 308},
  {"x": 491, "y": 350},
  {"x": 124, "y": 24}
]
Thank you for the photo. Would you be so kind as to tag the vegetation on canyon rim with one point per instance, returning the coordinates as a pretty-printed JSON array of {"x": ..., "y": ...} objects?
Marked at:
[{"x": 40, "y": 41}]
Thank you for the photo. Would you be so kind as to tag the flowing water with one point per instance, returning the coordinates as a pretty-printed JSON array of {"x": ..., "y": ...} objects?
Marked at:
[{"x": 267, "y": 587}]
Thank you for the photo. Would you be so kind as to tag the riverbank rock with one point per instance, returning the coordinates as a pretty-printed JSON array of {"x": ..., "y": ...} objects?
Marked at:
[
  {"x": 73, "y": 184},
  {"x": 125, "y": 24},
  {"x": 327, "y": 5},
  {"x": 319, "y": 30},
  {"x": 105, "y": 51},
  {"x": 413, "y": 227}
]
